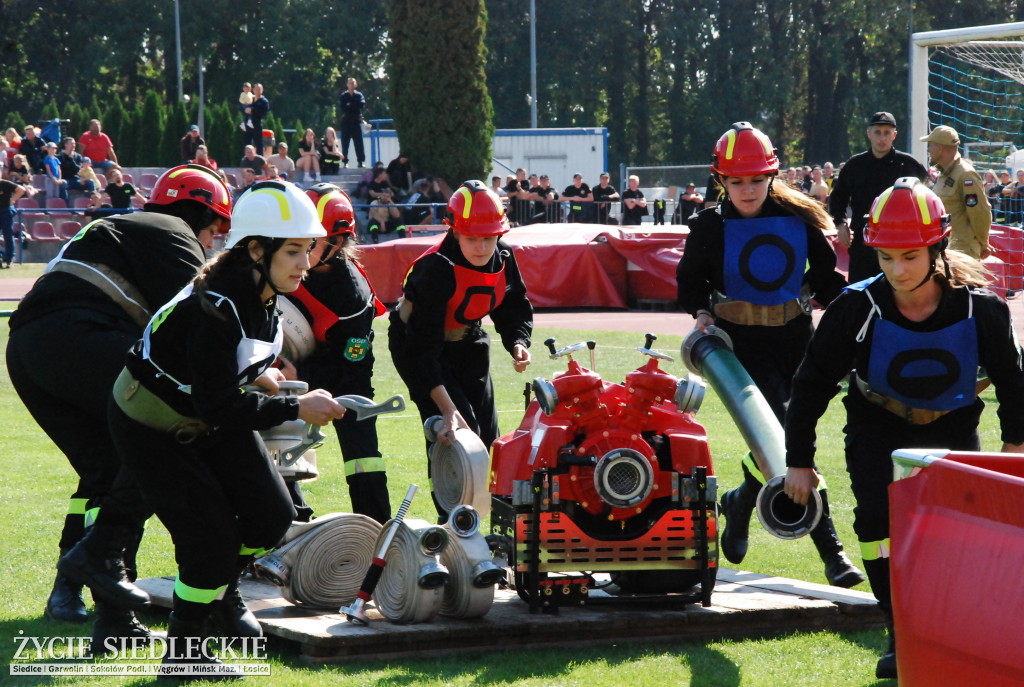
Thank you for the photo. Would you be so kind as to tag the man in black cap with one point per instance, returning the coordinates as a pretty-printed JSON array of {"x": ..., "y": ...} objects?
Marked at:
[{"x": 860, "y": 181}]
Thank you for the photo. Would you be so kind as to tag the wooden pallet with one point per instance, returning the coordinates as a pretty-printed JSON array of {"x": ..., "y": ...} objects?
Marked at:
[{"x": 743, "y": 604}]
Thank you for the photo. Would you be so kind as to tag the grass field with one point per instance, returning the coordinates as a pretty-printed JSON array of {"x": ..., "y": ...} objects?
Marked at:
[{"x": 36, "y": 481}]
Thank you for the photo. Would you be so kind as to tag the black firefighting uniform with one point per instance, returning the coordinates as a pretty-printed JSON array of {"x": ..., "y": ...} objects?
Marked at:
[
  {"x": 69, "y": 339},
  {"x": 872, "y": 432},
  {"x": 860, "y": 181},
  {"x": 769, "y": 354},
  {"x": 423, "y": 350},
  {"x": 341, "y": 314},
  {"x": 218, "y": 494}
]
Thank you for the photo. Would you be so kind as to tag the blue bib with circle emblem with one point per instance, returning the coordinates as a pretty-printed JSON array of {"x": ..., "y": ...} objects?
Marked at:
[{"x": 765, "y": 259}]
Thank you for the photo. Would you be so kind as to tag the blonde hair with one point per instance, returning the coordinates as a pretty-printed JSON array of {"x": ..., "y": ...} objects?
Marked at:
[
  {"x": 807, "y": 208},
  {"x": 964, "y": 270}
]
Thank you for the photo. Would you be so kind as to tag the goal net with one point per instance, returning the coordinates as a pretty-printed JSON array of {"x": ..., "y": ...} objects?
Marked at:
[{"x": 971, "y": 79}]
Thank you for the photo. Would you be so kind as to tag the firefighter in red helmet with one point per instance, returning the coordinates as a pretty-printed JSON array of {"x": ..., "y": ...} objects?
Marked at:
[
  {"x": 339, "y": 304},
  {"x": 437, "y": 343},
  {"x": 928, "y": 307},
  {"x": 751, "y": 267},
  {"x": 68, "y": 341}
]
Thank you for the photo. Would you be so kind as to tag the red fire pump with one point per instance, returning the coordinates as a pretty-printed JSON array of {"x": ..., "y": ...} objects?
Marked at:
[{"x": 607, "y": 478}]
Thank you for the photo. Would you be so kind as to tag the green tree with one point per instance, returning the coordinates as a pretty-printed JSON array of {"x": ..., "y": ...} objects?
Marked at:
[
  {"x": 450, "y": 135},
  {"x": 150, "y": 130},
  {"x": 174, "y": 128},
  {"x": 222, "y": 134},
  {"x": 114, "y": 120}
]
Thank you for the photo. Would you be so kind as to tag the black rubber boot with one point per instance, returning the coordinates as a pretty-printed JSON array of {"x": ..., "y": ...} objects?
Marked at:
[
  {"x": 185, "y": 650},
  {"x": 886, "y": 668},
  {"x": 65, "y": 602},
  {"x": 112, "y": 625},
  {"x": 737, "y": 506},
  {"x": 230, "y": 615},
  {"x": 96, "y": 561},
  {"x": 839, "y": 570}
]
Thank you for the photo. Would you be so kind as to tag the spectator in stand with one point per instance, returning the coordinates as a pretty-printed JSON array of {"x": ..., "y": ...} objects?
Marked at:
[
  {"x": 496, "y": 187},
  {"x": 272, "y": 173},
  {"x": 87, "y": 173},
  {"x": 1018, "y": 199},
  {"x": 253, "y": 133},
  {"x": 13, "y": 140},
  {"x": 285, "y": 165},
  {"x": 10, "y": 192},
  {"x": 518, "y": 191},
  {"x": 5, "y": 161},
  {"x": 309, "y": 157},
  {"x": 690, "y": 203},
  {"x": 21, "y": 174},
  {"x": 34, "y": 149},
  {"x": 245, "y": 99},
  {"x": 577, "y": 194},
  {"x": 351, "y": 104},
  {"x": 997, "y": 194},
  {"x": 71, "y": 167},
  {"x": 828, "y": 173},
  {"x": 203, "y": 158},
  {"x": 257, "y": 163},
  {"x": 604, "y": 194},
  {"x": 121, "y": 193},
  {"x": 330, "y": 153},
  {"x": 818, "y": 188},
  {"x": 860, "y": 182},
  {"x": 805, "y": 179},
  {"x": 400, "y": 175},
  {"x": 417, "y": 211},
  {"x": 97, "y": 146},
  {"x": 248, "y": 179},
  {"x": 56, "y": 185},
  {"x": 385, "y": 217},
  {"x": 791, "y": 178},
  {"x": 634, "y": 205},
  {"x": 991, "y": 182},
  {"x": 190, "y": 142},
  {"x": 546, "y": 208},
  {"x": 381, "y": 182}
]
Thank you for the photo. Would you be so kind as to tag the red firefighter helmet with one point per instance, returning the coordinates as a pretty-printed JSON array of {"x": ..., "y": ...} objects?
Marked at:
[
  {"x": 744, "y": 151},
  {"x": 906, "y": 215},
  {"x": 334, "y": 208},
  {"x": 475, "y": 210},
  {"x": 193, "y": 182}
]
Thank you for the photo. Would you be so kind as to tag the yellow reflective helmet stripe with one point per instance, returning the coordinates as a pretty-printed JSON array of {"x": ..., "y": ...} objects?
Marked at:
[
  {"x": 282, "y": 201},
  {"x": 321, "y": 204},
  {"x": 467, "y": 197},
  {"x": 363, "y": 465},
  {"x": 882, "y": 200},
  {"x": 922, "y": 204},
  {"x": 765, "y": 143},
  {"x": 195, "y": 594},
  {"x": 730, "y": 143},
  {"x": 873, "y": 550}
]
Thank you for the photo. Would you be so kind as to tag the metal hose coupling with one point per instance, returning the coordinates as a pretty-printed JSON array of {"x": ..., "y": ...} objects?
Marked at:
[
  {"x": 321, "y": 563},
  {"x": 411, "y": 586},
  {"x": 472, "y": 573},
  {"x": 710, "y": 355},
  {"x": 459, "y": 470}
]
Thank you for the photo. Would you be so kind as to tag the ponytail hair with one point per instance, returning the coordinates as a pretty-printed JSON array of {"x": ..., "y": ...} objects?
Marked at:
[
  {"x": 807, "y": 208},
  {"x": 959, "y": 268}
]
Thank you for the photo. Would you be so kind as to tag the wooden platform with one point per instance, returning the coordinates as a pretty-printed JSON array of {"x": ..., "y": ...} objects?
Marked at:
[{"x": 743, "y": 604}]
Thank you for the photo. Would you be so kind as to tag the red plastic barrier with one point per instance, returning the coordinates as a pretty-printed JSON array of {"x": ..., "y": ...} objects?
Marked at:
[{"x": 957, "y": 535}]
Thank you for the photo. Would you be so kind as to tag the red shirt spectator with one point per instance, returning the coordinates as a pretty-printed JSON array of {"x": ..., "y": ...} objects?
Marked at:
[{"x": 98, "y": 147}]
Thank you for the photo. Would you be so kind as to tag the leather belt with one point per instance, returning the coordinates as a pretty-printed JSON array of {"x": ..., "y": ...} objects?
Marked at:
[
  {"x": 111, "y": 283},
  {"x": 915, "y": 416},
  {"x": 146, "y": 408},
  {"x": 742, "y": 312}
]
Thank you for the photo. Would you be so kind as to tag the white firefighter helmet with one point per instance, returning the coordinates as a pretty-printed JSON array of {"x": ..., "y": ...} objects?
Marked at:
[
  {"x": 299, "y": 341},
  {"x": 274, "y": 209}
]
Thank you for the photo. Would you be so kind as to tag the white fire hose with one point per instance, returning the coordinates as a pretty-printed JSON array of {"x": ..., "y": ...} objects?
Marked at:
[
  {"x": 411, "y": 587},
  {"x": 469, "y": 592},
  {"x": 459, "y": 471},
  {"x": 322, "y": 563}
]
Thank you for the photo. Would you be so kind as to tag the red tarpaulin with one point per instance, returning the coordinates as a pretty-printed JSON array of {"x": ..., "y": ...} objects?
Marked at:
[{"x": 957, "y": 535}]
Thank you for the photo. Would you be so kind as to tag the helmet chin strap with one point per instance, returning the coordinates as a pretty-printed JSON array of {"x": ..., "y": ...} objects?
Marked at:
[
  {"x": 332, "y": 251},
  {"x": 931, "y": 270}
]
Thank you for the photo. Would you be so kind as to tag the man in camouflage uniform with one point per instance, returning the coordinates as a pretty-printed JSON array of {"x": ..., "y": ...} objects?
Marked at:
[{"x": 962, "y": 192}]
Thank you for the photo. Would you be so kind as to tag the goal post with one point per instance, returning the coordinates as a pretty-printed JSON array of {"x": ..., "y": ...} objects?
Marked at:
[{"x": 972, "y": 79}]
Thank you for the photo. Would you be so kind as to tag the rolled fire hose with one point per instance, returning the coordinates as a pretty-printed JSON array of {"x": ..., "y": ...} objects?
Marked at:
[
  {"x": 411, "y": 587},
  {"x": 321, "y": 563},
  {"x": 710, "y": 355},
  {"x": 459, "y": 471},
  {"x": 469, "y": 592}
]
